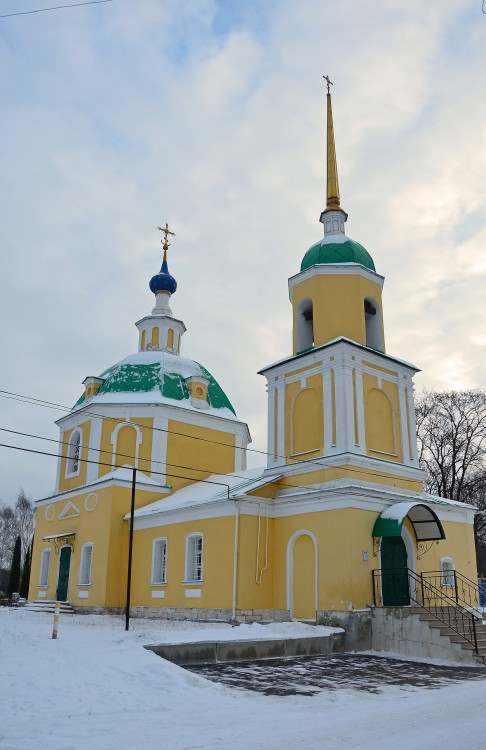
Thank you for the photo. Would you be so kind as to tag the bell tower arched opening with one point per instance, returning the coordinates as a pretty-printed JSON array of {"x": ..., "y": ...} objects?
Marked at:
[
  {"x": 305, "y": 325},
  {"x": 374, "y": 335}
]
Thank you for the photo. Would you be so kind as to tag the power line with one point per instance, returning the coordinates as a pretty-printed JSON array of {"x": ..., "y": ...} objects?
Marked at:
[
  {"x": 54, "y": 7},
  {"x": 49, "y": 404},
  {"x": 34, "y": 401},
  {"x": 103, "y": 463}
]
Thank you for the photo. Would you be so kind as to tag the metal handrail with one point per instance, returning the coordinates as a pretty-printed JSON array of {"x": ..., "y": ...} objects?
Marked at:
[
  {"x": 469, "y": 599},
  {"x": 444, "y": 608}
]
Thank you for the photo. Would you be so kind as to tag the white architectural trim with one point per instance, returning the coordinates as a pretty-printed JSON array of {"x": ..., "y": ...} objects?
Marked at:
[
  {"x": 41, "y": 569},
  {"x": 290, "y": 569},
  {"x": 153, "y": 582},
  {"x": 68, "y": 474},
  {"x": 159, "y": 448},
  {"x": 94, "y": 445},
  {"x": 114, "y": 441},
  {"x": 187, "y": 572},
  {"x": 81, "y": 561}
]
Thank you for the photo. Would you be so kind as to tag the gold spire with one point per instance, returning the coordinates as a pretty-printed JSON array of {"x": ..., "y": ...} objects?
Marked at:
[
  {"x": 165, "y": 243},
  {"x": 332, "y": 188}
]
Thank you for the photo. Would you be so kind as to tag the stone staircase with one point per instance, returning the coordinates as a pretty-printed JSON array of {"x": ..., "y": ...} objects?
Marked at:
[
  {"x": 48, "y": 606},
  {"x": 449, "y": 630}
]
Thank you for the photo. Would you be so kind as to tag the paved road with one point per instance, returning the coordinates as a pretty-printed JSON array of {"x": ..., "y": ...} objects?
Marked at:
[{"x": 311, "y": 675}]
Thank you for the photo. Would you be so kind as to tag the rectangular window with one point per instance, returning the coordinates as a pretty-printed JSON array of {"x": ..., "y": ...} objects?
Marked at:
[
  {"x": 85, "y": 567},
  {"x": 194, "y": 558},
  {"x": 159, "y": 561},
  {"x": 44, "y": 571}
]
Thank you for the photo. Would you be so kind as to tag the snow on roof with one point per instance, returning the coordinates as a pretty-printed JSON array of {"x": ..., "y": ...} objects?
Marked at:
[
  {"x": 215, "y": 487},
  {"x": 125, "y": 474},
  {"x": 158, "y": 377}
]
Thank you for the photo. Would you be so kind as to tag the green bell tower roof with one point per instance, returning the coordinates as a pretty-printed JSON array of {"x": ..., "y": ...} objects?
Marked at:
[{"x": 347, "y": 251}]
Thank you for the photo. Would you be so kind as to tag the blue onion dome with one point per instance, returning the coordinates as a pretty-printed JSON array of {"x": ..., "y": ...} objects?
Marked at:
[{"x": 163, "y": 281}]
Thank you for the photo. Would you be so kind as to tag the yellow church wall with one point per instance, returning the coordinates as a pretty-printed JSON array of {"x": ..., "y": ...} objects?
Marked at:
[
  {"x": 125, "y": 444},
  {"x": 252, "y": 594},
  {"x": 217, "y": 585},
  {"x": 117, "y": 542},
  {"x": 338, "y": 306},
  {"x": 212, "y": 452},
  {"x": 304, "y": 419},
  {"x": 382, "y": 419},
  {"x": 459, "y": 545},
  {"x": 96, "y": 526},
  {"x": 66, "y": 482}
]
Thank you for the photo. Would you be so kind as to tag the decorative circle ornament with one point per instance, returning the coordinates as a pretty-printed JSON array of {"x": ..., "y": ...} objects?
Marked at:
[
  {"x": 91, "y": 502},
  {"x": 50, "y": 512}
]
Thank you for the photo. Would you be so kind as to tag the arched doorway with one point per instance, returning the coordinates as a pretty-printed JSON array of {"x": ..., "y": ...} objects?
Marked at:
[
  {"x": 302, "y": 576},
  {"x": 394, "y": 572},
  {"x": 63, "y": 575}
]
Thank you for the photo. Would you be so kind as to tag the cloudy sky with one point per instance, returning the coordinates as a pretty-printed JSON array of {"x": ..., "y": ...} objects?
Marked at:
[{"x": 210, "y": 114}]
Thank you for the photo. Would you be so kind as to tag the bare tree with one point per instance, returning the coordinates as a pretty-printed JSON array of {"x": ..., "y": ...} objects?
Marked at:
[
  {"x": 7, "y": 535},
  {"x": 24, "y": 512},
  {"x": 451, "y": 429}
]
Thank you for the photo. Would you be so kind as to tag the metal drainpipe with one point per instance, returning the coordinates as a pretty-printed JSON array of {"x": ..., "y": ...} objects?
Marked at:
[{"x": 235, "y": 556}]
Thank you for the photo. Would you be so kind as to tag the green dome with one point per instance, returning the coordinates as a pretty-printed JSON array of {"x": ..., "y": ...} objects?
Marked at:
[
  {"x": 157, "y": 377},
  {"x": 348, "y": 251}
]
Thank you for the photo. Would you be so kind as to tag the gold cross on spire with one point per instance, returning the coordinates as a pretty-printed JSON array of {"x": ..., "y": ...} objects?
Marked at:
[
  {"x": 165, "y": 242},
  {"x": 329, "y": 83}
]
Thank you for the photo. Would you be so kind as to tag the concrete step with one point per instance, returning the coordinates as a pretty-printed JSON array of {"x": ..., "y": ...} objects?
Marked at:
[{"x": 48, "y": 606}]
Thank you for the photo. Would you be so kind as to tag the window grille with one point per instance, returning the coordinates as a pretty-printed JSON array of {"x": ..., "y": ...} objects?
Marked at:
[
  {"x": 85, "y": 567},
  {"x": 159, "y": 561}
]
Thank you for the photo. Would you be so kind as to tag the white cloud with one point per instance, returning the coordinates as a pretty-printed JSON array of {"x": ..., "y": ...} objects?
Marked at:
[{"x": 119, "y": 119}]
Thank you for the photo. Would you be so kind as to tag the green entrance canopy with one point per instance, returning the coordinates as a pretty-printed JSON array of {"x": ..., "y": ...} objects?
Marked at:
[{"x": 425, "y": 522}]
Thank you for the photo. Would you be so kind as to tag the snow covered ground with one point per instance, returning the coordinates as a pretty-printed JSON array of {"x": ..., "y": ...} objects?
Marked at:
[{"x": 97, "y": 688}]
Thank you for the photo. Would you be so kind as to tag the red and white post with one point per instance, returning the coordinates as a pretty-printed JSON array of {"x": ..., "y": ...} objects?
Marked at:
[{"x": 55, "y": 624}]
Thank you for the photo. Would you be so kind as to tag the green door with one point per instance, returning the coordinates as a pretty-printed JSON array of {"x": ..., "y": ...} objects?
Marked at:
[
  {"x": 394, "y": 573},
  {"x": 63, "y": 579}
]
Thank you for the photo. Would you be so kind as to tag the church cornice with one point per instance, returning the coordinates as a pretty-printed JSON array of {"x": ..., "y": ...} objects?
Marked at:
[{"x": 339, "y": 344}]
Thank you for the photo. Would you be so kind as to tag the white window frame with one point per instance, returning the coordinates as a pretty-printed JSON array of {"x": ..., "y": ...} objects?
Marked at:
[
  {"x": 157, "y": 544},
  {"x": 44, "y": 579},
  {"x": 85, "y": 580},
  {"x": 70, "y": 458},
  {"x": 194, "y": 571},
  {"x": 447, "y": 578}
]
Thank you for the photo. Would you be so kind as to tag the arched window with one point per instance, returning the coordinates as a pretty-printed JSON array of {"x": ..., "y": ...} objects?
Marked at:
[
  {"x": 305, "y": 325},
  {"x": 44, "y": 568},
  {"x": 155, "y": 338},
  {"x": 447, "y": 577},
  {"x": 170, "y": 338},
  {"x": 85, "y": 565},
  {"x": 74, "y": 452},
  {"x": 374, "y": 338},
  {"x": 159, "y": 561},
  {"x": 194, "y": 558},
  {"x": 126, "y": 439}
]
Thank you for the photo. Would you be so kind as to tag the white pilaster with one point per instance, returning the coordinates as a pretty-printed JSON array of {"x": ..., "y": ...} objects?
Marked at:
[
  {"x": 159, "y": 450},
  {"x": 93, "y": 469},
  {"x": 360, "y": 412},
  {"x": 271, "y": 424},
  {"x": 280, "y": 447},
  {"x": 413, "y": 426}
]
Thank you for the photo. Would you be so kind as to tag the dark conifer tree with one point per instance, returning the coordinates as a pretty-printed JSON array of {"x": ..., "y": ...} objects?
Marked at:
[
  {"x": 24, "y": 586},
  {"x": 13, "y": 584}
]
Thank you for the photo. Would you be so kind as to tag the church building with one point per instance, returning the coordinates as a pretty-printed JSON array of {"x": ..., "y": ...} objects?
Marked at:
[{"x": 328, "y": 525}]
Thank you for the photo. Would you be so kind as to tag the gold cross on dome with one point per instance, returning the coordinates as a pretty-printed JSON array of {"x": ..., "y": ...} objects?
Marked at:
[
  {"x": 166, "y": 232},
  {"x": 329, "y": 83}
]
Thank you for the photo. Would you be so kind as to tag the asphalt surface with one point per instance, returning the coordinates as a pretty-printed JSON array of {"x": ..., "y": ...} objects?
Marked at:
[{"x": 312, "y": 675}]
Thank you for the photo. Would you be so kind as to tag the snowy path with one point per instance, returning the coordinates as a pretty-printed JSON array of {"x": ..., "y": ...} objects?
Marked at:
[{"x": 97, "y": 688}]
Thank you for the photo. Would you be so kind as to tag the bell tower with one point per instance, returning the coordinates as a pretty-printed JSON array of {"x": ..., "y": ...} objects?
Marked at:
[{"x": 339, "y": 400}]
